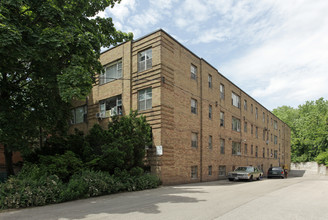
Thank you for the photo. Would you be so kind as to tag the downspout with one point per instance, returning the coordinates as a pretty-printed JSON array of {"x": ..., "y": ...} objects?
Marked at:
[{"x": 201, "y": 122}]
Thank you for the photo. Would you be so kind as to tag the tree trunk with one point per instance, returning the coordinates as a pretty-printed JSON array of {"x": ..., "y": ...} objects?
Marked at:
[{"x": 9, "y": 161}]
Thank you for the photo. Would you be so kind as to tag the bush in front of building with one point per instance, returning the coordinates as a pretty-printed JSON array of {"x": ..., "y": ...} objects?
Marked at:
[{"x": 33, "y": 186}]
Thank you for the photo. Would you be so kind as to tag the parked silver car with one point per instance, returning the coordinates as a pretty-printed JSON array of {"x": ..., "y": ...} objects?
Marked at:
[{"x": 245, "y": 173}]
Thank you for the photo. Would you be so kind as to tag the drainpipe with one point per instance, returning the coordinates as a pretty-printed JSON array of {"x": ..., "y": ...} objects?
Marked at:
[{"x": 201, "y": 122}]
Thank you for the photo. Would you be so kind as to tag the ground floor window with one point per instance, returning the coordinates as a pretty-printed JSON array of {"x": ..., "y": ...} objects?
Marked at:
[
  {"x": 79, "y": 114},
  {"x": 222, "y": 171},
  {"x": 210, "y": 170},
  {"x": 194, "y": 173},
  {"x": 111, "y": 106}
]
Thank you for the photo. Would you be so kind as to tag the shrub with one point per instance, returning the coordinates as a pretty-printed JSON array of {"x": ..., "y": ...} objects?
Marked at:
[
  {"x": 31, "y": 187},
  {"x": 322, "y": 158},
  {"x": 64, "y": 166},
  {"x": 89, "y": 183}
]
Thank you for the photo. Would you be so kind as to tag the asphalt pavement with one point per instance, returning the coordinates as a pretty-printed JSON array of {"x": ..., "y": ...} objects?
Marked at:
[{"x": 292, "y": 198}]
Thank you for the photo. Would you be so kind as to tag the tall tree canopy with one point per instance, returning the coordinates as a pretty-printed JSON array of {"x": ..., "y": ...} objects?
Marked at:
[
  {"x": 309, "y": 128},
  {"x": 49, "y": 52}
]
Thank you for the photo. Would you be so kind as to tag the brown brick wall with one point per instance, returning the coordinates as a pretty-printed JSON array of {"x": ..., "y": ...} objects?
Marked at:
[{"x": 171, "y": 117}]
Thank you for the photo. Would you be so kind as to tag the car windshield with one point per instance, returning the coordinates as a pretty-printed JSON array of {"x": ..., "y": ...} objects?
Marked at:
[
  {"x": 276, "y": 168},
  {"x": 248, "y": 169}
]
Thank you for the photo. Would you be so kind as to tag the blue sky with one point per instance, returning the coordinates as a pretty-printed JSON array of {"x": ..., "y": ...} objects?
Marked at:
[{"x": 274, "y": 50}]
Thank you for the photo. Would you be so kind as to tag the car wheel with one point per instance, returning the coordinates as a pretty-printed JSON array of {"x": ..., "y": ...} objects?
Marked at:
[
  {"x": 230, "y": 179},
  {"x": 250, "y": 179},
  {"x": 258, "y": 178},
  {"x": 269, "y": 177}
]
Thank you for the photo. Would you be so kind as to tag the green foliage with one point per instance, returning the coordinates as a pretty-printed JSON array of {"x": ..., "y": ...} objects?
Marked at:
[
  {"x": 31, "y": 187},
  {"x": 49, "y": 55},
  {"x": 309, "y": 128},
  {"x": 121, "y": 146},
  {"x": 34, "y": 187},
  {"x": 63, "y": 166},
  {"x": 322, "y": 158}
]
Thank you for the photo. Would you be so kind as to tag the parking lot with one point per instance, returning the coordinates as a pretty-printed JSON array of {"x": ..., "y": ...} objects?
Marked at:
[{"x": 292, "y": 198}]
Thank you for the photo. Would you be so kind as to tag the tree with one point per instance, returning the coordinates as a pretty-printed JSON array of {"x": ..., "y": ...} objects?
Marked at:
[
  {"x": 49, "y": 53},
  {"x": 121, "y": 146},
  {"x": 309, "y": 128}
]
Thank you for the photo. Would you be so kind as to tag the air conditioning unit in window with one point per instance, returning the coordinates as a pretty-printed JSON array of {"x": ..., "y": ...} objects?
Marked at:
[
  {"x": 238, "y": 153},
  {"x": 113, "y": 111},
  {"x": 100, "y": 115}
]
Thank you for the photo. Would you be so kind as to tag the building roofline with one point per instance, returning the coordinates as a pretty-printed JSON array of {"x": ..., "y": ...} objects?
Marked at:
[{"x": 161, "y": 30}]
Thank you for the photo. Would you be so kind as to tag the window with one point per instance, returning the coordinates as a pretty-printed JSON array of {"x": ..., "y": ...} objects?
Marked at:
[
  {"x": 275, "y": 154},
  {"x": 79, "y": 115},
  {"x": 252, "y": 108},
  {"x": 256, "y": 132},
  {"x": 264, "y": 134},
  {"x": 210, "y": 112},
  {"x": 145, "y": 99},
  {"x": 209, "y": 81},
  {"x": 194, "y": 106},
  {"x": 222, "y": 170},
  {"x": 268, "y": 155},
  {"x": 275, "y": 139},
  {"x": 245, "y": 150},
  {"x": 222, "y": 119},
  {"x": 222, "y": 148},
  {"x": 251, "y": 129},
  {"x": 210, "y": 145},
  {"x": 263, "y": 152},
  {"x": 245, "y": 127},
  {"x": 194, "y": 172},
  {"x": 110, "y": 107},
  {"x": 145, "y": 60},
  {"x": 235, "y": 124},
  {"x": 236, "y": 148},
  {"x": 256, "y": 150},
  {"x": 194, "y": 140},
  {"x": 245, "y": 105},
  {"x": 275, "y": 125},
  {"x": 210, "y": 170},
  {"x": 271, "y": 138},
  {"x": 111, "y": 72},
  {"x": 235, "y": 100},
  {"x": 251, "y": 149},
  {"x": 256, "y": 113},
  {"x": 263, "y": 117},
  {"x": 221, "y": 91},
  {"x": 193, "y": 72}
]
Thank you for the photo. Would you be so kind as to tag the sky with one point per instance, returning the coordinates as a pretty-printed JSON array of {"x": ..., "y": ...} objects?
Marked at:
[{"x": 274, "y": 50}]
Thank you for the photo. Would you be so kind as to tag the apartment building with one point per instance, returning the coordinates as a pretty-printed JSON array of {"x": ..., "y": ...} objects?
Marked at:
[{"x": 203, "y": 125}]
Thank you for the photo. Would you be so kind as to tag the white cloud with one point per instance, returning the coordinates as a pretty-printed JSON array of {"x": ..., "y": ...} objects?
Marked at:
[{"x": 123, "y": 10}]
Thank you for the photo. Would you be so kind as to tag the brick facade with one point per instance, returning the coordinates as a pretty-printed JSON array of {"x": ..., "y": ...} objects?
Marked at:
[{"x": 172, "y": 121}]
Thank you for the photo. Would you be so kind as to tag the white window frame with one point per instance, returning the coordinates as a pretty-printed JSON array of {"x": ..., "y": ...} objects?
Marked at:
[
  {"x": 210, "y": 170},
  {"x": 222, "y": 92},
  {"x": 145, "y": 60},
  {"x": 194, "y": 140},
  {"x": 193, "y": 105},
  {"x": 222, "y": 171},
  {"x": 193, "y": 72},
  {"x": 235, "y": 100},
  {"x": 222, "y": 146},
  {"x": 210, "y": 142},
  {"x": 209, "y": 81},
  {"x": 235, "y": 124},
  {"x": 145, "y": 99},
  {"x": 210, "y": 112},
  {"x": 194, "y": 172},
  {"x": 236, "y": 148},
  {"x": 109, "y": 110},
  {"x": 79, "y": 114},
  {"x": 111, "y": 72},
  {"x": 221, "y": 119}
]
